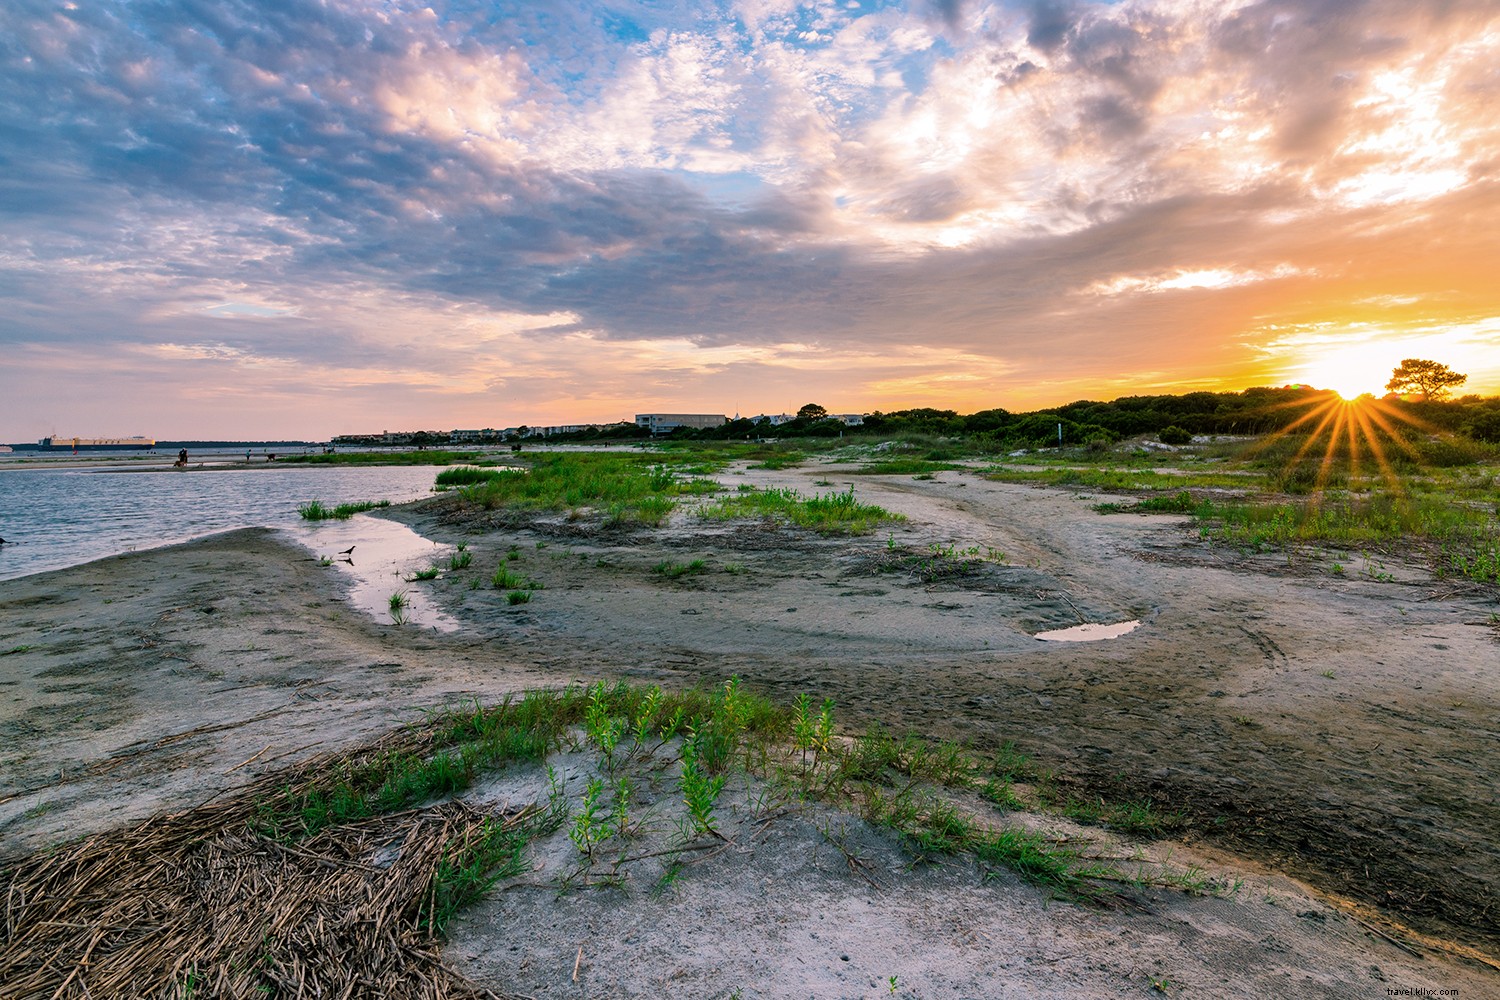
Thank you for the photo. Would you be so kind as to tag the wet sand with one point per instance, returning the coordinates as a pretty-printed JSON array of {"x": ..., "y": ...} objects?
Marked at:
[{"x": 1332, "y": 730}]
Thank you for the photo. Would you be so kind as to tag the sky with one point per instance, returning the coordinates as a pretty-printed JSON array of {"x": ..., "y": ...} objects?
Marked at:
[{"x": 300, "y": 218}]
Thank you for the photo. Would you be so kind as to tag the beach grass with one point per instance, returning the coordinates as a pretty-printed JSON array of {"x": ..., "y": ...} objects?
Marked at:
[
  {"x": 1124, "y": 480},
  {"x": 631, "y": 489},
  {"x": 905, "y": 467},
  {"x": 316, "y": 510},
  {"x": 833, "y": 513},
  {"x": 465, "y": 475},
  {"x": 1434, "y": 501}
]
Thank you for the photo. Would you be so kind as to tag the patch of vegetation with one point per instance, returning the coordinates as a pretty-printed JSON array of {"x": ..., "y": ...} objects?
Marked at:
[
  {"x": 674, "y": 571},
  {"x": 623, "y": 489},
  {"x": 316, "y": 510},
  {"x": 504, "y": 579},
  {"x": 936, "y": 562},
  {"x": 906, "y": 467},
  {"x": 465, "y": 475},
  {"x": 1181, "y": 502},
  {"x": 1174, "y": 435},
  {"x": 1121, "y": 480},
  {"x": 825, "y": 513},
  {"x": 1459, "y": 539}
]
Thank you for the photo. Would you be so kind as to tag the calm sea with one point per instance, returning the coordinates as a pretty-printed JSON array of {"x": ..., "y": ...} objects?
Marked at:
[{"x": 52, "y": 518}]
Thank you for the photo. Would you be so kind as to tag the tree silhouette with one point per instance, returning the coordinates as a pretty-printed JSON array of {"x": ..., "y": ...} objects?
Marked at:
[
  {"x": 812, "y": 411},
  {"x": 1431, "y": 378}
]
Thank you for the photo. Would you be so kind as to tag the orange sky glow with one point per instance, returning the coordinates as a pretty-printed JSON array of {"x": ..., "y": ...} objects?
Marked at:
[{"x": 253, "y": 221}]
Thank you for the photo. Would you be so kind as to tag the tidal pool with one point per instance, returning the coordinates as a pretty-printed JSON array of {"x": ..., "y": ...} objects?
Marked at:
[
  {"x": 385, "y": 556},
  {"x": 1089, "y": 632}
]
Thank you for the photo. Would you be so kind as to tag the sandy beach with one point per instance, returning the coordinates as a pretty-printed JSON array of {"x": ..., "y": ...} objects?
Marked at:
[{"x": 1328, "y": 736}]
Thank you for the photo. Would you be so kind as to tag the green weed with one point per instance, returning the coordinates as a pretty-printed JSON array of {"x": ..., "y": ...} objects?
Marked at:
[
  {"x": 826, "y": 513},
  {"x": 316, "y": 510},
  {"x": 675, "y": 571},
  {"x": 621, "y": 489}
]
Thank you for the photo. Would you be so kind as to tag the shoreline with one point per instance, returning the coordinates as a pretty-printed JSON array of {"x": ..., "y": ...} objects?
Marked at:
[{"x": 154, "y": 680}]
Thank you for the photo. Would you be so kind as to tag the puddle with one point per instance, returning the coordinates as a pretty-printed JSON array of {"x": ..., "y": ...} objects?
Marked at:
[
  {"x": 1089, "y": 633},
  {"x": 385, "y": 555}
]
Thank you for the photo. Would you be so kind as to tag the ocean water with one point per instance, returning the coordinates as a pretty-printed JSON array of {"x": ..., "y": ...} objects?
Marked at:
[{"x": 54, "y": 518}]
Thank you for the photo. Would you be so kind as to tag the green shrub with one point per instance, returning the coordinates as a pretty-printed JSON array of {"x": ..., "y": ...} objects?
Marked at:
[{"x": 1174, "y": 435}]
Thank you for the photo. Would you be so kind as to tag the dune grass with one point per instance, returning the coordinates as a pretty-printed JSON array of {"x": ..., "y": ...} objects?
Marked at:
[
  {"x": 623, "y": 489},
  {"x": 1458, "y": 539},
  {"x": 905, "y": 467},
  {"x": 826, "y": 513},
  {"x": 465, "y": 475},
  {"x": 316, "y": 510},
  {"x": 1127, "y": 480}
]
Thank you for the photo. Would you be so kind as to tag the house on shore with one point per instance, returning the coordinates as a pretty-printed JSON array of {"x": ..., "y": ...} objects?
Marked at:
[{"x": 666, "y": 423}]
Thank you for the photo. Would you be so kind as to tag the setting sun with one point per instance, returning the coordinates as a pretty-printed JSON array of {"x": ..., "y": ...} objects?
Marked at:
[{"x": 1349, "y": 372}]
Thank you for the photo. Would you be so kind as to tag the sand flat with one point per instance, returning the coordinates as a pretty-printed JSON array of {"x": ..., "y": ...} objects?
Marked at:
[{"x": 156, "y": 680}]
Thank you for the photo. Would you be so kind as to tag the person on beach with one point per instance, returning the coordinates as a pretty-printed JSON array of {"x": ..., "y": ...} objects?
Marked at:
[{"x": 182, "y": 459}]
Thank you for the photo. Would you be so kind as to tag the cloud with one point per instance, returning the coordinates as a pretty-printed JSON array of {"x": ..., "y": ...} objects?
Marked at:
[{"x": 326, "y": 185}]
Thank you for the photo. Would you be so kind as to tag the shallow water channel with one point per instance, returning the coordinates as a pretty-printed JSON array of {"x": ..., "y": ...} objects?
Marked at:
[{"x": 385, "y": 557}]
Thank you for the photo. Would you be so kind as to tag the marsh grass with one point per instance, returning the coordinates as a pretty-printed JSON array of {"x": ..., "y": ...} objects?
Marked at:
[
  {"x": 826, "y": 513},
  {"x": 1181, "y": 502},
  {"x": 504, "y": 579},
  {"x": 675, "y": 571},
  {"x": 1123, "y": 480},
  {"x": 316, "y": 510},
  {"x": 1433, "y": 497},
  {"x": 622, "y": 489},
  {"x": 936, "y": 562},
  {"x": 1457, "y": 538},
  {"x": 465, "y": 475},
  {"x": 906, "y": 467}
]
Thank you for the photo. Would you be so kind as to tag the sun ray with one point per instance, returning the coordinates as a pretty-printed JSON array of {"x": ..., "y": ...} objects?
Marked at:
[
  {"x": 1367, "y": 416},
  {"x": 1276, "y": 435}
]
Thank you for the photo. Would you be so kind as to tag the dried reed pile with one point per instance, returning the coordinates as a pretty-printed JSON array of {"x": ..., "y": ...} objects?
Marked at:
[{"x": 201, "y": 904}]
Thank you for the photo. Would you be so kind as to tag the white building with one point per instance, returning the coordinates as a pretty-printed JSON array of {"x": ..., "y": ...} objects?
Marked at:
[{"x": 665, "y": 423}]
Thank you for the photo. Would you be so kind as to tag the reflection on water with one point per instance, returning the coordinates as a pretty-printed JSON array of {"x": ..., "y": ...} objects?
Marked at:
[
  {"x": 385, "y": 556},
  {"x": 52, "y": 518},
  {"x": 1089, "y": 633}
]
